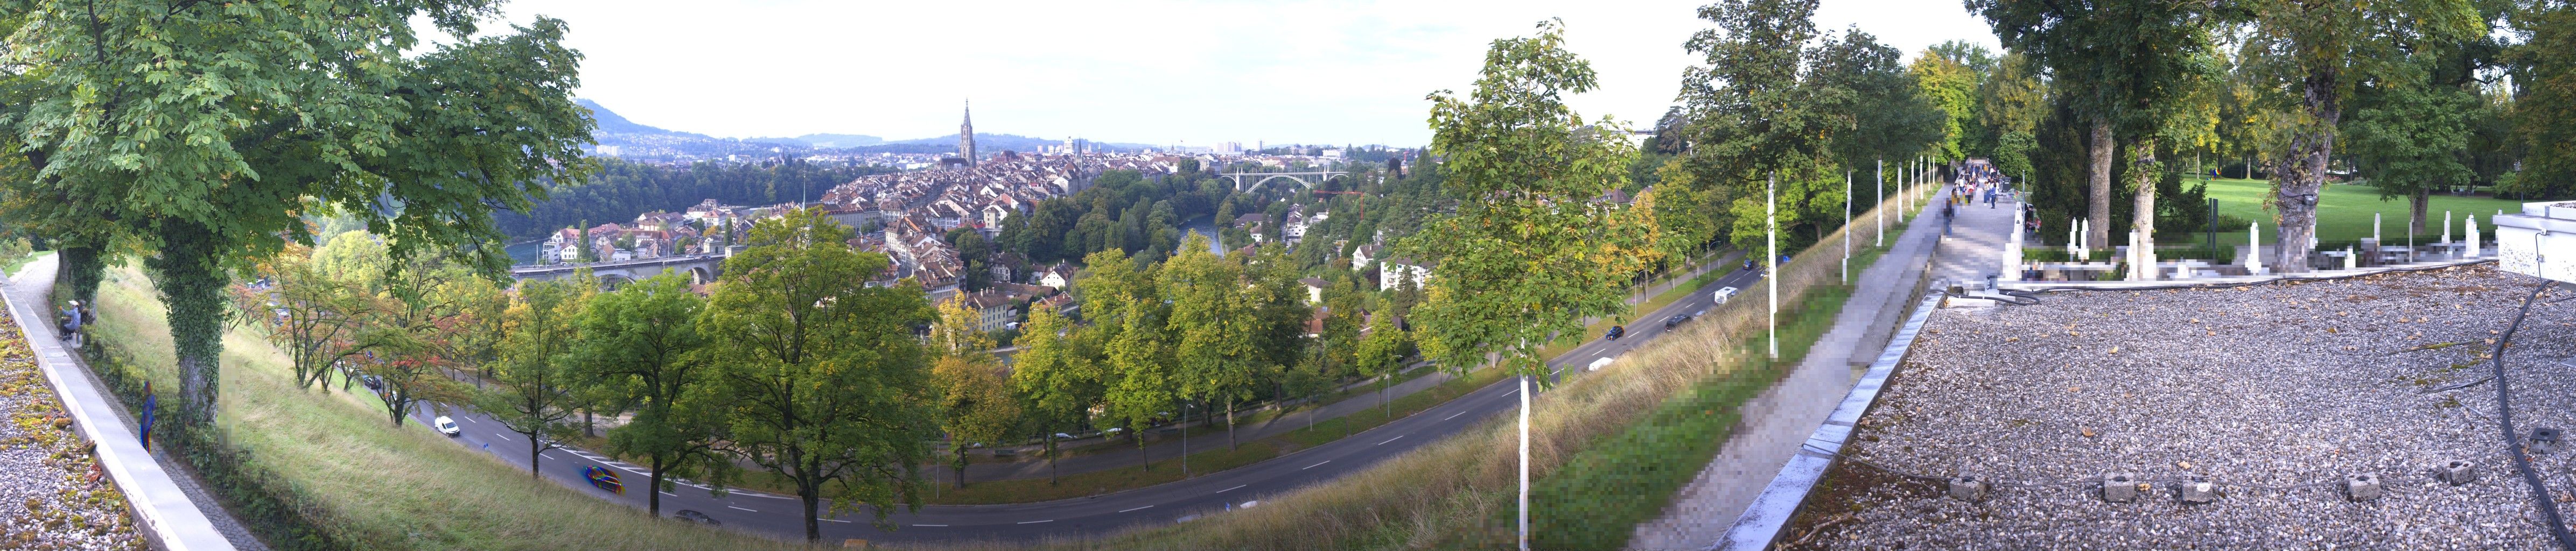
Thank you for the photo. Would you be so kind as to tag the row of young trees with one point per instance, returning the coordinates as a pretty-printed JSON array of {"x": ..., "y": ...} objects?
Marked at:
[{"x": 792, "y": 364}]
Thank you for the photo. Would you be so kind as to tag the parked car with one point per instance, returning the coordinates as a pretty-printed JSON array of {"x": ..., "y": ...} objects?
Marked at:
[
  {"x": 697, "y": 517},
  {"x": 1723, "y": 294},
  {"x": 1748, "y": 264},
  {"x": 1677, "y": 319},
  {"x": 1617, "y": 331},
  {"x": 603, "y": 479},
  {"x": 446, "y": 426},
  {"x": 1063, "y": 436}
]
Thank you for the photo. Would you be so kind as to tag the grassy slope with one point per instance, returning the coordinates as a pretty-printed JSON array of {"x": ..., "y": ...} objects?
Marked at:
[{"x": 391, "y": 488}]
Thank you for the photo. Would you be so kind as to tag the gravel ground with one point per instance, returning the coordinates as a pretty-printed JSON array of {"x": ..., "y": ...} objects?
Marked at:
[
  {"x": 2272, "y": 392},
  {"x": 51, "y": 496}
]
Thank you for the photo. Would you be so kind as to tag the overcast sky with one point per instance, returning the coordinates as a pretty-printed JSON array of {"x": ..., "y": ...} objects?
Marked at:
[{"x": 1154, "y": 71}]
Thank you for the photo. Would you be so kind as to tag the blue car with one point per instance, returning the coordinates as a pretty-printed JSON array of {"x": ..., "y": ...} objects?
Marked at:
[{"x": 603, "y": 479}]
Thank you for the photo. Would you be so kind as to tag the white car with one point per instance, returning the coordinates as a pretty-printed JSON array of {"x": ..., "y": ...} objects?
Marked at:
[
  {"x": 446, "y": 426},
  {"x": 1722, "y": 294},
  {"x": 1600, "y": 363}
]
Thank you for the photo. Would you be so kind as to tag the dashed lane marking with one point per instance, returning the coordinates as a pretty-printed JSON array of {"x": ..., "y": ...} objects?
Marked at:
[
  {"x": 1397, "y": 437},
  {"x": 933, "y": 525},
  {"x": 1036, "y": 521},
  {"x": 1136, "y": 509},
  {"x": 1454, "y": 415},
  {"x": 1320, "y": 464},
  {"x": 733, "y": 507},
  {"x": 839, "y": 520},
  {"x": 1236, "y": 487}
]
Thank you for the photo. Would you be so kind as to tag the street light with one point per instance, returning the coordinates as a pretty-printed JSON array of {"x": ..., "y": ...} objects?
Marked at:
[{"x": 1771, "y": 236}]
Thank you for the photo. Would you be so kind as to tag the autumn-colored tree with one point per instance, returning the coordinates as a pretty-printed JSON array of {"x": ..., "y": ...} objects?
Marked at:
[{"x": 976, "y": 403}]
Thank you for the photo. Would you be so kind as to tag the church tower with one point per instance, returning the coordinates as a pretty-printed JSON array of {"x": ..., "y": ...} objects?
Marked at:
[{"x": 966, "y": 136}]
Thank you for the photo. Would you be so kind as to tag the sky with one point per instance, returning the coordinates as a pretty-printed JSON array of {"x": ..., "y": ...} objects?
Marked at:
[{"x": 1163, "y": 72}]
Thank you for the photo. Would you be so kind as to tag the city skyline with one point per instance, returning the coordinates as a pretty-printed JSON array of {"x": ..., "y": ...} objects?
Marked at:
[{"x": 1173, "y": 73}]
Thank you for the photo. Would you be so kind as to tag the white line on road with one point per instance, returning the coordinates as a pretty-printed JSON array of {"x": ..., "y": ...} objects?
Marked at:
[
  {"x": 1136, "y": 509},
  {"x": 670, "y": 494},
  {"x": 1454, "y": 415},
  {"x": 1325, "y": 461},
  {"x": 1236, "y": 487},
  {"x": 1397, "y": 437},
  {"x": 548, "y": 457},
  {"x": 933, "y": 525},
  {"x": 1036, "y": 521},
  {"x": 839, "y": 520},
  {"x": 733, "y": 507}
]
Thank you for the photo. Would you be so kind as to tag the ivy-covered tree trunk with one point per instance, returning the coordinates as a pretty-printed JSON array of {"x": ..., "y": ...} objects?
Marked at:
[
  {"x": 81, "y": 268},
  {"x": 192, "y": 284}
]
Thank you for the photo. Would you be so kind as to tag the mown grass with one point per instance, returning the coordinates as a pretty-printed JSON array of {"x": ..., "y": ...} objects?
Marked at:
[
  {"x": 2343, "y": 212},
  {"x": 382, "y": 486},
  {"x": 1448, "y": 494}
]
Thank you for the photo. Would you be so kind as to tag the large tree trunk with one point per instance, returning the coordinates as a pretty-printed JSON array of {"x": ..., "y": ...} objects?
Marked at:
[
  {"x": 536, "y": 451},
  {"x": 653, "y": 499},
  {"x": 2302, "y": 172},
  {"x": 2142, "y": 176},
  {"x": 2417, "y": 205},
  {"x": 2099, "y": 148},
  {"x": 192, "y": 286},
  {"x": 813, "y": 524}
]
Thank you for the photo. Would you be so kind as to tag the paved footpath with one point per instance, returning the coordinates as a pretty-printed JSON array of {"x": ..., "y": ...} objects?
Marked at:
[{"x": 1778, "y": 420}]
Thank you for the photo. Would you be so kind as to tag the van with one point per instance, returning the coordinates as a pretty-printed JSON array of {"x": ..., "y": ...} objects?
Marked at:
[{"x": 1722, "y": 294}]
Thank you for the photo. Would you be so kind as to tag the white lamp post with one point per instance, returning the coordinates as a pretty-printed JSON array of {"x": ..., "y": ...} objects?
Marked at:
[{"x": 1771, "y": 237}]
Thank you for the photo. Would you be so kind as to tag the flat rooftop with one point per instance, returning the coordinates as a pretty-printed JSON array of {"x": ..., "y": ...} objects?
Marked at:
[{"x": 2273, "y": 393}]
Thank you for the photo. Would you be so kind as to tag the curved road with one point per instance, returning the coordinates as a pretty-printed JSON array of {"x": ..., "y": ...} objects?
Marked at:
[{"x": 777, "y": 515}]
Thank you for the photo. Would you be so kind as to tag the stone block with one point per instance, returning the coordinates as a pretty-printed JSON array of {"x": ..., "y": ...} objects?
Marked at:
[
  {"x": 2361, "y": 487},
  {"x": 2543, "y": 440},
  {"x": 2120, "y": 487},
  {"x": 2197, "y": 491},
  {"x": 1968, "y": 489},
  {"x": 2457, "y": 471}
]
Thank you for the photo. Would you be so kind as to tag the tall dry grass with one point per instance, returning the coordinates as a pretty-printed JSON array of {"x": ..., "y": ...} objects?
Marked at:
[{"x": 1447, "y": 495}]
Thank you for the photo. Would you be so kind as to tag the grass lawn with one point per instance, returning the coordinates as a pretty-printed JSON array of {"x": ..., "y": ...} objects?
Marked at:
[
  {"x": 378, "y": 486},
  {"x": 2344, "y": 212}
]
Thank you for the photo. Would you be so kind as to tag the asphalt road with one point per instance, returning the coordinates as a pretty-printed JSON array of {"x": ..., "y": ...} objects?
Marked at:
[{"x": 781, "y": 516}]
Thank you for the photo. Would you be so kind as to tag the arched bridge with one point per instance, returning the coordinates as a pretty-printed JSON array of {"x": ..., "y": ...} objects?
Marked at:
[
  {"x": 701, "y": 268},
  {"x": 1265, "y": 177}
]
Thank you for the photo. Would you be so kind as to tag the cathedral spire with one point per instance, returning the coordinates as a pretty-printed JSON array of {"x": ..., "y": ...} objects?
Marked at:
[{"x": 966, "y": 135}]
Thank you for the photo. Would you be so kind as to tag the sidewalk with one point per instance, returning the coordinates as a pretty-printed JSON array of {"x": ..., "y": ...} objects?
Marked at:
[
  {"x": 28, "y": 291},
  {"x": 1202, "y": 438},
  {"x": 1778, "y": 420}
]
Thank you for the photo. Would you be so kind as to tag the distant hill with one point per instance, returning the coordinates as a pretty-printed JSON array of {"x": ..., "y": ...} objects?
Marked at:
[
  {"x": 609, "y": 121},
  {"x": 824, "y": 140}
]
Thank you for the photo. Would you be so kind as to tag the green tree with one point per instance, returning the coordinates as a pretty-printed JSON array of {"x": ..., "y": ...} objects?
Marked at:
[
  {"x": 1381, "y": 354},
  {"x": 2124, "y": 64},
  {"x": 643, "y": 341},
  {"x": 1528, "y": 255},
  {"x": 538, "y": 371},
  {"x": 1060, "y": 383},
  {"x": 976, "y": 402},
  {"x": 1952, "y": 87},
  {"x": 1215, "y": 321},
  {"x": 2544, "y": 106},
  {"x": 208, "y": 129},
  {"x": 2408, "y": 140},
  {"x": 412, "y": 327},
  {"x": 828, "y": 385},
  {"x": 1139, "y": 370},
  {"x": 314, "y": 317},
  {"x": 2313, "y": 54}
]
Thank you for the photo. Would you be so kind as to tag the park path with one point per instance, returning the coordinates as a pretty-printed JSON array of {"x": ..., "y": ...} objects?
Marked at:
[
  {"x": 33, "y": 285},
  {"x": 1203, "y": 437},
  {"x": 1778, "y": 420}
]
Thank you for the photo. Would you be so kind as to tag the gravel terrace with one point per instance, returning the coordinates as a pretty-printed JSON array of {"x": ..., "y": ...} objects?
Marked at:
[
  {"x": 51, "y": 495},
  {"x": 2272, "y": 392}
]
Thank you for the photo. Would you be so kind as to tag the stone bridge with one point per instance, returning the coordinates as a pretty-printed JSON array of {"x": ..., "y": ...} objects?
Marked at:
[{"x": 701, "y": 269}]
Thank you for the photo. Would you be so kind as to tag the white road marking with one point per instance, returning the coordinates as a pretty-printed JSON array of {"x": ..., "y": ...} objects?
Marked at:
[
  {"x": 543, "y": 454},
  {"x": 839, "y": 520},
  {"x": 1136, "y": 509},
  {"x": 1036, "y": 521},
  {"x": 1318, "y": 464},
  {"x": 670, "y": 494},
  {"x": 1397, "y": 437},
  {"x": 1236, "y": 487},
  {"x": 933, "y": 525},
  {"x": 733, "y": 507},
  {"x": 502, "y": 436},
  {"x": 1454, "y": 415}
]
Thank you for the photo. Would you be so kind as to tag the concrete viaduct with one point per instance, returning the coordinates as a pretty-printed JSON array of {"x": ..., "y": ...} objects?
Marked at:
[{"x": 701, "y": 269}]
